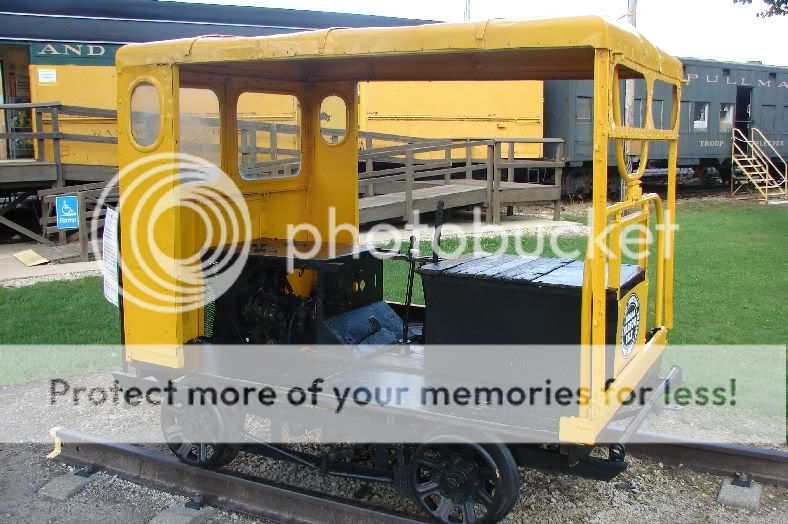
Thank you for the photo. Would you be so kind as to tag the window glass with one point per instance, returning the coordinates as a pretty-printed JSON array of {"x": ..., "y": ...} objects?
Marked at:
[
  {"x": 269, "y": 135},
  {"x": 198, "y": 124},
  {"x": 333, "y": 119},
  {"x": 700, "y": 116},
  {"x": 145, "y": 112},
  {"x": 726, "y": 117},
  {"x": 584, "y": 108}
]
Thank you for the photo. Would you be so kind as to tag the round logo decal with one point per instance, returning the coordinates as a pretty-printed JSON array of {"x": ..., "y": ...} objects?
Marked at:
[{"x": 631, "y": 325}]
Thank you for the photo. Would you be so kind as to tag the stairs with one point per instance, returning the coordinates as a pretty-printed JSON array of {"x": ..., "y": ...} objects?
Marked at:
[{"x": 755, "y": 173}]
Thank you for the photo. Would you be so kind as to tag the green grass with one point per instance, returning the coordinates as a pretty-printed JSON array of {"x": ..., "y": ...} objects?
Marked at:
[
  {"x": 730, "y": 288},
  {"x": 731, "y": 272},
  {"x": 64, "y": 312}
]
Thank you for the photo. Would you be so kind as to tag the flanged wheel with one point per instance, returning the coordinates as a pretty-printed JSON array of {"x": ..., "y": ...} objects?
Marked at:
[
  {"x": 179, "y": 424},
  {"x": 465, "y": 483}
]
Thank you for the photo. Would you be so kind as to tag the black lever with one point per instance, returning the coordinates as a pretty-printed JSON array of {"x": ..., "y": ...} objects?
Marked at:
[
  {"x": 436, "y": 238},
  {"x": 409, "y": 292}
]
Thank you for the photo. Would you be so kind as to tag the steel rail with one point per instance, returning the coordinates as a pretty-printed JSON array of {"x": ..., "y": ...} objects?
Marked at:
[
  {"x": 283, "y": 503},
  {"x": 236, "y": 492},
  {"x": 762, "y": 464}
]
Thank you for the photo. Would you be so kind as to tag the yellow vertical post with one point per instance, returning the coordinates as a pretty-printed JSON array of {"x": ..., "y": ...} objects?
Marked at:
[
  {"x": 670, "y": 220},
  {"x": 614, "y": 269},
  {"x": 602, "y": 101}
]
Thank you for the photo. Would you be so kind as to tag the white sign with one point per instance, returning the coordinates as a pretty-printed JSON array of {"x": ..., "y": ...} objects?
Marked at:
[
  {"x": 47, "y": 76},
  {"x": 109, "y": 265}
]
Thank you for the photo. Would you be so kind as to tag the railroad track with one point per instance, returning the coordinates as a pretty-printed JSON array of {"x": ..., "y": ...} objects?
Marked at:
[
  {"x": 685, "y": 192},
  {"x": 237, "y": 492},
  {"x": 283, "y": 503},
  {"x": 761, "y": 464}
]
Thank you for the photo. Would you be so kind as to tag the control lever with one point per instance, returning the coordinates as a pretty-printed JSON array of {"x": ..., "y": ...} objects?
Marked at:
[
  {"x": 409, "y": 292},
  {"x": 436, "y": 237}
]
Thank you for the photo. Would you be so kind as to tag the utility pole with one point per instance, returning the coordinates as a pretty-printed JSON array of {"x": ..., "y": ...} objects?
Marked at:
[
  {"x": 467, "y": 16},
  {"x": 629, "y": 95}
]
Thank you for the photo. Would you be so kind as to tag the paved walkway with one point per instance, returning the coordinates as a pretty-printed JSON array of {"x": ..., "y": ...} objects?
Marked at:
[{"x": 12, "y": 270}]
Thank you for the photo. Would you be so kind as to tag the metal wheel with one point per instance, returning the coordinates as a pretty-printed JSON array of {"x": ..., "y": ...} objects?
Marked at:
[
  {"x": 465, "y": 483},
  {"x": 179, "y": 426}
]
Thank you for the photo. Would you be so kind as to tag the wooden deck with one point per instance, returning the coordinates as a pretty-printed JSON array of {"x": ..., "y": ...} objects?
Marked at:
[
  {"x": 398, "y": 176},
  {"x": 416, "y": 185},
  {"x": 34, "y": 174},
  {"x": 393, "y": 206},
  {"x": 65, "y": 253},
  {"x": 49, "y": 170}
]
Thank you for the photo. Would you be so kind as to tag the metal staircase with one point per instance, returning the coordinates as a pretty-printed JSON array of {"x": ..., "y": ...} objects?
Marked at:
[{"x": 754, "y": 172}]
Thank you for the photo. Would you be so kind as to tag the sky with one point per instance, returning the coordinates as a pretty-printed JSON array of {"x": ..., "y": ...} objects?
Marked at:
[{"x": 686, "y": 28}]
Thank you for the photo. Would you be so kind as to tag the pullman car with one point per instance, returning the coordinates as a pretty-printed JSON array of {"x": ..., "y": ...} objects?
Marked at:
[{"x": 718, "y": 97}]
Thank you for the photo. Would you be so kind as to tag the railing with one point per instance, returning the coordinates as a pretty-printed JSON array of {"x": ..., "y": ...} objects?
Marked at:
[
  {"x": 55, "y": 110},
  {"x": 784, "y": 172},
  {"x": 754, "y": 163},
  {"x": 556, "y": 162},
  {"x": 396, "y": 164},
  {"x": 409, "y": 169}
]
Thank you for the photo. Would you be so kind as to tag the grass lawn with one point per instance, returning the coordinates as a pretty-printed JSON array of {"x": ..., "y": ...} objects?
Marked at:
[{"x": 731, "y": 284}]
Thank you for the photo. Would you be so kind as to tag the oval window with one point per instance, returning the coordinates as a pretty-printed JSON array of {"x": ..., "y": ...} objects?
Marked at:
[
  {"x": 333, "y": 119},
  {"x": 145, "y": 114}
]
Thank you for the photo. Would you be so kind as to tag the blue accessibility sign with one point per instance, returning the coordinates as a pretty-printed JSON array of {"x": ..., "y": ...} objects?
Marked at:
[{"x": 67, "y": 209}]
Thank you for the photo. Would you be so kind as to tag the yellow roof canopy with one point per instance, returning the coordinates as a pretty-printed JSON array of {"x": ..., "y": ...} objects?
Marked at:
[{"x": 558, "y": 48}]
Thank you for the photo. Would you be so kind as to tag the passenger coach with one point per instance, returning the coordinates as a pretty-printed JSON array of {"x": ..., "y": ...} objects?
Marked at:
[{"x": 718, "y": 97}]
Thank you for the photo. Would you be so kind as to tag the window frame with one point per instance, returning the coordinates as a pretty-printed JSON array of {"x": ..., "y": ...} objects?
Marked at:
[
  {"x": 320, "y": 122},
  {"x": 139, "y": 81},
  {"x": 590, "y": 117},
  {"x": 300, "y": 124},
  {"x": 222, "y": 117},
  {"x": 692, "y": 119},
  {"x": 732, "y": 114}
]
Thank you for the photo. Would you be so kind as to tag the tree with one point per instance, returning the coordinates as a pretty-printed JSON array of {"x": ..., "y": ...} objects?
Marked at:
[{"x": 773, "y": 7}]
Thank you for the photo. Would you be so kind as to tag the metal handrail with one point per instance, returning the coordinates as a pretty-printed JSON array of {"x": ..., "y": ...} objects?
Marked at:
[
  {"x": 736, "y": 148},
  {"x": 784, "y": 173}
]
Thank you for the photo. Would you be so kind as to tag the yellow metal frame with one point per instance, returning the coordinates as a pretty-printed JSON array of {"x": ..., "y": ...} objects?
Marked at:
[{"x": 320, "y": 63}]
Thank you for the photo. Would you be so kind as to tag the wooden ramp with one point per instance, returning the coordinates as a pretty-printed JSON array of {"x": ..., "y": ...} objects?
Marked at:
[
  {"x": 394, "y": 205},
  {"x": 464, "y": 177},
  {"x": 58, "y": 254}
]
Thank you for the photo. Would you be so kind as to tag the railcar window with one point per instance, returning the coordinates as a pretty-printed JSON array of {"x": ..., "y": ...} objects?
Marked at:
[
  {"x": 700, "y": 116},
  {"x": 198, "y": 124},
  {"x": 333, "y": 119},
  {"x": 269, "y": 135},
  {"x": 145, "y": 115},
  {"x": 726, "y": 117},
  {"x": 584, "y": 108}
]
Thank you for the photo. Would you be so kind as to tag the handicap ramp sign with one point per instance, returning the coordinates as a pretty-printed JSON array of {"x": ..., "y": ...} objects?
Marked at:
[{"x": 67, "y": 209}]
